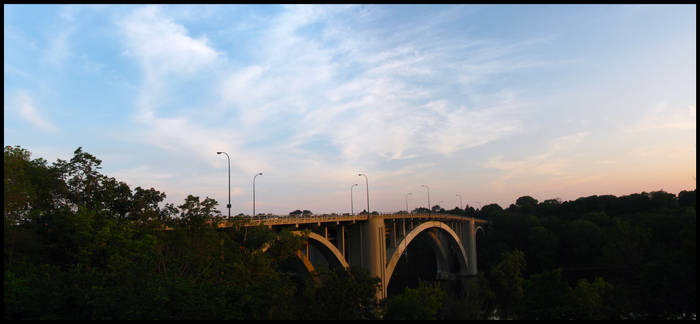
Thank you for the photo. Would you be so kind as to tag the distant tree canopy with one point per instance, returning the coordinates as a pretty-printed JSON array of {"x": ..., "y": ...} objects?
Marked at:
[
  {"x": 596, "y": 257},
  {"x": 421, "y": 210},
  {"x": 526, "y": 201}
]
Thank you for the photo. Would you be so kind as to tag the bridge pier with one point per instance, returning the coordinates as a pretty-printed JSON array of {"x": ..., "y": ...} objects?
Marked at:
[
  {"x": 470, "y": 241},
  {"x": 376, "y": 250}
]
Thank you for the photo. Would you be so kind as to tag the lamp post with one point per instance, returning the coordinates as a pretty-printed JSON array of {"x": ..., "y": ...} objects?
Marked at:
[
  {"x": 428, "y": 189},
  {"x": 367, "y": 185},
  {"x": 460, "y": 201},
  {"x": 229, "y": 184},
  {"x": 260, "y": 173},
  {"x": 407, "y": 202},
  {"x": 352, "y": 211}
]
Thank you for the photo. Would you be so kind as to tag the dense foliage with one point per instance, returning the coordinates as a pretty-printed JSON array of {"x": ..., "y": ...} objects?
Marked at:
[
  {"x": 596, "y": 257},
  {"x": 81, "y": 245}
]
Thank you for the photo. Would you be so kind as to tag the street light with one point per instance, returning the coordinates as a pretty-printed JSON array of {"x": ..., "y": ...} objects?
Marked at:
[
  {"x": 254, "y": 192},
  {"x": 407, "y": 202},
  {"x": 229, "y": 184},
  {"x": 352, "y": 212},
  {"x": 367, "y": 184},
  {"x": 460, "y": 201},
  {"x": 426, "y": 187}
]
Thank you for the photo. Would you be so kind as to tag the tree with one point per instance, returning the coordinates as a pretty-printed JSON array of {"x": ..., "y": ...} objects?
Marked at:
[
  {"x": 117, "y": 197},
  {"x": 526, "y": 202},
  {"x": 195, "y": 213},
  {"x": 542, "y": 249},
  {"x": 547, "y": 296},
  {"x": 474, "y": 302},
  {"x": 421, "y": 303},
  {"x": 593, "y": 300},
  {"x": 18, "y": 192},
  {"x": 583, "y": 240},
  {"x": 341, "y": 295},
  {"x": 420, "y": 210},
  {"x": 146, "y": 200},
  {"x": 82, "y": 177},
  {"x": 490, "y": 210},
  {"x": 549, "y": 206},
  {"x": 661, "y": 199},
  {"x": 507, "y": 280},
  {"x": 687, "y": 198}
]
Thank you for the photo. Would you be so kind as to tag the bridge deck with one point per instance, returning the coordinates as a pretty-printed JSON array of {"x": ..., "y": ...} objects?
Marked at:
[{"x": 294, "y": 220}]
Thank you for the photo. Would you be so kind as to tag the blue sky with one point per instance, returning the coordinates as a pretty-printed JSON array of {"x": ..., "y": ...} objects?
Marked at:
[{"x": 489, "y": 102}]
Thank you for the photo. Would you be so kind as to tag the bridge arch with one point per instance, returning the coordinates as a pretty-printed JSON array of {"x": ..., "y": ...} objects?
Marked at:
[
  {"x": 441, "y": 262},
  {"x": 330, "y": 252}
]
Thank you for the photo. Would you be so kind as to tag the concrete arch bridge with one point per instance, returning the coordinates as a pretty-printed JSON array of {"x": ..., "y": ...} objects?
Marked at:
[{"x": 439, "y": 246}]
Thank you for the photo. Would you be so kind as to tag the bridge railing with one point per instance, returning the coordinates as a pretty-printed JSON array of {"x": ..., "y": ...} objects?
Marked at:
[{"x": 295, "y": 220}]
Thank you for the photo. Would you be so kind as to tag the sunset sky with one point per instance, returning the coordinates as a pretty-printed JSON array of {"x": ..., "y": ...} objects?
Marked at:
[{"x": 490, "y": 102}]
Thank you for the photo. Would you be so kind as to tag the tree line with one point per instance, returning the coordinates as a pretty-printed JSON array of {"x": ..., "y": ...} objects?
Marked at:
[
  {"x": 81, "y": 245},
  {"x": 597, "y": 257}
]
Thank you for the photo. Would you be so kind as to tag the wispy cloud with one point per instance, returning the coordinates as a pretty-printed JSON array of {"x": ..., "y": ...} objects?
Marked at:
[
  {"x": 165, "y": 51},
  {"x": 556, "y": 164},
  {"x": 27, "y": 110},
  {"x": 58, "y": 48},
  {"x": 162, "y": 46},
  {"x": 374, "y": 91},
  {"x": 141, "y": 175},
  {"x": 665, "y": 117},
  {"x": 346, "y": 96}
]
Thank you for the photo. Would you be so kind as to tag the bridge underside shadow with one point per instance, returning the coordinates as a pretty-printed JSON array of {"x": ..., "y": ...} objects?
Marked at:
[
  {"x": 418, "y": 262},
  {"x": 317, "y": 255},
  {"x": 425, "y": 260}
]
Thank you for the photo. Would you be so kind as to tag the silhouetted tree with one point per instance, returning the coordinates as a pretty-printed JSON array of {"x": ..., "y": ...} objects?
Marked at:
[
  {"x": 507, "y": 282},
  {"x": 421, "y": 303},
  {"x": 490, "y": 210},
  {"x": 686, "y": 198}
]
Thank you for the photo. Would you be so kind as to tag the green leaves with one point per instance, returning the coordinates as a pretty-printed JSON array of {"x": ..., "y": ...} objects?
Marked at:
[
  {"x": 422, "y": 303},
  {"x": 507, "y": 281}
]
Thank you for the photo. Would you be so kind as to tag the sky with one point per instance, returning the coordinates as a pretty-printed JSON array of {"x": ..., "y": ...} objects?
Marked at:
[{"x": 480, "y": 103}]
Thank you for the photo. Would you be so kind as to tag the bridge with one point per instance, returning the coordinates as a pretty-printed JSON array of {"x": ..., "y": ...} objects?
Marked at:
[{"x": 379, "y": 243}]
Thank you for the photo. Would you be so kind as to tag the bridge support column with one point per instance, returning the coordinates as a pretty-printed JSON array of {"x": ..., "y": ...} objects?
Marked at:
[
  {"x": 342, "y": 240},
  {"x": 376, "y": 248},
  {"x": 470, "y": 240}
]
